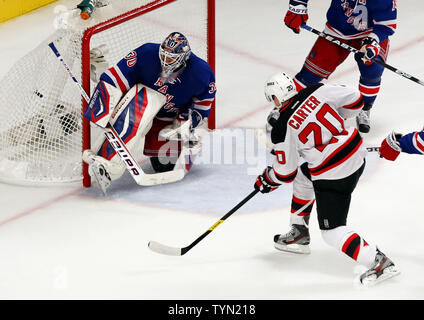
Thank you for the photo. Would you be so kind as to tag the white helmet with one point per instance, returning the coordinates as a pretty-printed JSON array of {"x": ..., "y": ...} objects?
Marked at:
[
  {"x": 281, "y": 86},
  {"x": 174, "y": 52}
]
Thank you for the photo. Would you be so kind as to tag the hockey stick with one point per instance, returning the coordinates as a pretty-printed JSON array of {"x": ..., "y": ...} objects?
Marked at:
[
  {"x": 173, "y": 251},
  {"x": 351, "y": 49},
  {"x": 263, "y": 139},
  {"x": 140, "y": 177},
  {"x": 372, "y": 149}
]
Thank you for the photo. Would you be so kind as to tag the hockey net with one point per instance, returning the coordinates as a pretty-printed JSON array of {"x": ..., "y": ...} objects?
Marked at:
[{"x": 42, "y": 130}]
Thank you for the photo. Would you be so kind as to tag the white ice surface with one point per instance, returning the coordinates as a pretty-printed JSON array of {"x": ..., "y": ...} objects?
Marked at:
[{"x": 69, "y": 243}]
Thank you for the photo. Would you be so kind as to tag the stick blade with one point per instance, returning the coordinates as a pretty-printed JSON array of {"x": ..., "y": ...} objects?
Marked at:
[
  {"x": 164, "y": 249},
  {"x": 161, "y": 178}
]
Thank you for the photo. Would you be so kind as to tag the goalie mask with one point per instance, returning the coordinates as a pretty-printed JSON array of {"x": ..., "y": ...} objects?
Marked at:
[
  {"x": 173, "y": 53},
  {"x": 281, "y": 86}
]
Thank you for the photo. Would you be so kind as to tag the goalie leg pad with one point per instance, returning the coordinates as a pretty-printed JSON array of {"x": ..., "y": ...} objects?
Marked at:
[
  {"x": 132, "y": 119},
  {"x": 155, "y": 145},
  {"x": 102, "y": 103}
]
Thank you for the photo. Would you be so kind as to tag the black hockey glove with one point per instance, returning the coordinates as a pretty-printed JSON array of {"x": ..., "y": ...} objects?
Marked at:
[{"x": 264, "y": 183}]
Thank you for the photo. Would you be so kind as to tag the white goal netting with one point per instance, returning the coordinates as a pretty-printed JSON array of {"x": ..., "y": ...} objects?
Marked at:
[{"x": 41, "y": 107}]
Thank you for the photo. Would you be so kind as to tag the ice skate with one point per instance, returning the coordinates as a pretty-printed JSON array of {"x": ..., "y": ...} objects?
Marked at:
[
  {"x": 383, "y": 269},
  {"x": 97, "y": 170},
  {"x": 296, "y": 240},
  {"x": 363, "y": 121}
]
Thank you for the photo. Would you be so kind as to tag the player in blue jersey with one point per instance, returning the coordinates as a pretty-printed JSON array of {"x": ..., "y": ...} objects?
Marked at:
[
  {"x": 362, "y": 24},
  {"x": 395, "y": 143},
  {"x": 180, "y": 87}
]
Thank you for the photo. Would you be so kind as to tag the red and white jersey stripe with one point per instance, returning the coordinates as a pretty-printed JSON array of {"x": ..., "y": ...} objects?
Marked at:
[
  {"x": 418, "y": 142},
  {"x": 391, "y": 24},
  {"x": 119, "y": 80},
  {"x": 202, "y": 105},
  {"x": 299, "y": 85},
  {"x": 338, "y": 34},
  {"x": 369, "y": 91}
]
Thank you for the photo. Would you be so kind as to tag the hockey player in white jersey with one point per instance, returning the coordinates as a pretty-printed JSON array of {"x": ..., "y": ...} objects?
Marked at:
[{"x": 311, "y": 125}]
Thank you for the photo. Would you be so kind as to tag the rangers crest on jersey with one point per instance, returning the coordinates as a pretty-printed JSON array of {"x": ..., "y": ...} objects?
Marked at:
[{"x": 358, "y": 15}]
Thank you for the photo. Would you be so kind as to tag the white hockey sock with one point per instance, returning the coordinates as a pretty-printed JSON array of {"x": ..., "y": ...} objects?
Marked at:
[
  {"x": 301, "y": 210},
  {"x": 350, "y": 243},
  {"x": 303, "y": 198}
]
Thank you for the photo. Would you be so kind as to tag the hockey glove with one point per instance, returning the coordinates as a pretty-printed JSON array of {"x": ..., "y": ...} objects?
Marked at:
[
  {"x": 182, "y": 128},
  {"x": 264, "y": 183},
  {"x": 195, "y": 116},
  {"x": 196, "y": 119},
  {"x": 369, "y": 50},
  {"x": 390, "y": 147},
  {"x": 272, "y": 118},
  {"x": 296, "y": 15}
]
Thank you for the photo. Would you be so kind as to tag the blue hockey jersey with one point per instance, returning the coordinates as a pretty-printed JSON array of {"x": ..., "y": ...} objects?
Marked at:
[
  {"x": 351, "y": 19},
  {"x": 413, "y": 142},
  {"x": 193, "y": 88}
]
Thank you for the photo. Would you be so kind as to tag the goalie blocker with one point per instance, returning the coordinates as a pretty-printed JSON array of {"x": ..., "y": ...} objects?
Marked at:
[{"x": 133, "y": 118}]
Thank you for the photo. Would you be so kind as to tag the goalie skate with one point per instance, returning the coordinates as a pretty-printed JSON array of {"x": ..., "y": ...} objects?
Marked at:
[
  {"x": 296, "y": 240},
  {"x": 97, "y": 170},
  {"x": 102, "y": 177},
  {"x": 383, "y": 269}
]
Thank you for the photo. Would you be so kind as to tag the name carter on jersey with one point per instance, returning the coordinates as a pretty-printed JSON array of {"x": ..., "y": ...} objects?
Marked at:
[{"x": 303, "y": 112}]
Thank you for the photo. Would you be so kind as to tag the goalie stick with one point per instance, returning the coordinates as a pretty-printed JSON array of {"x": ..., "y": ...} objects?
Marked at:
[
  {"x": 351, "y": 49},
  {"x": 173, "y": 251},
  {"x": 140, "y": 177},
  {"x": 263, "y": 139}
]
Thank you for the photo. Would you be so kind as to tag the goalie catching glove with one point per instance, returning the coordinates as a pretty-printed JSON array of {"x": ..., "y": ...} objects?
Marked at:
[
  {"x": 195, "y": 117},
  {"x": 183, "y": 127},
  {"x": 264, "y": 183}
]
